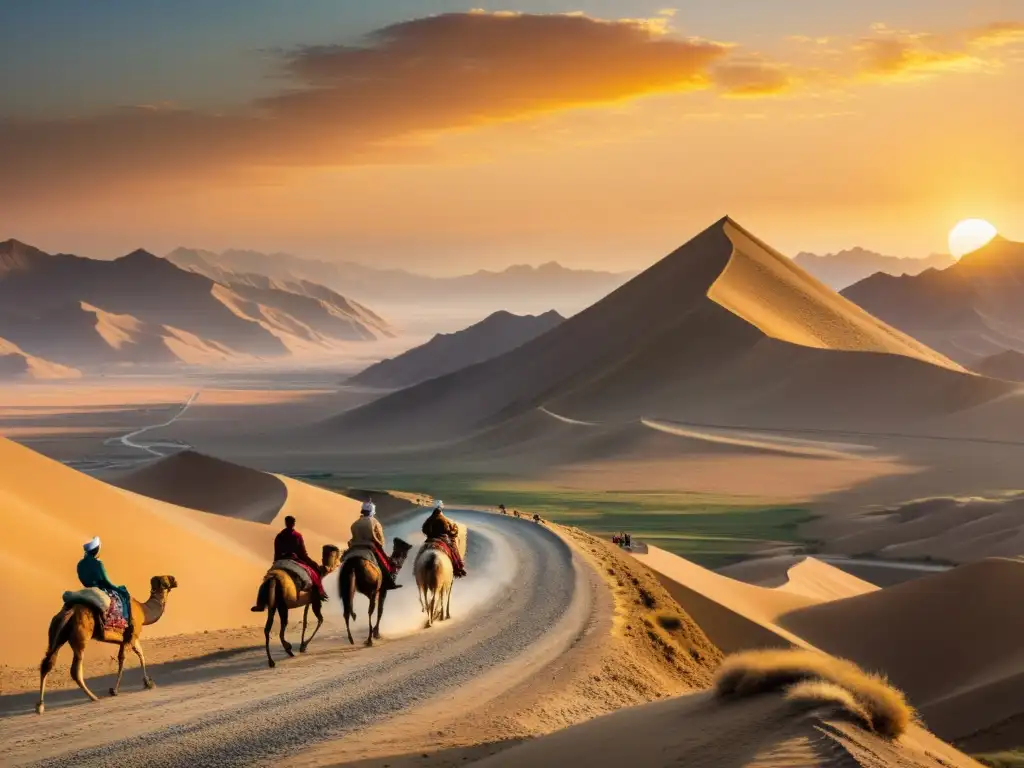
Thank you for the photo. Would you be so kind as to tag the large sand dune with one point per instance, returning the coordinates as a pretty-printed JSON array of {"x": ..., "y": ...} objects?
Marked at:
[
  {"x": 49, "y": 510},
  {"x": 699, "y": 731},
  {"x": 724, "y": 331},
  {"x": 950, "y": 640},
  {"x": 15, "y": 363}
]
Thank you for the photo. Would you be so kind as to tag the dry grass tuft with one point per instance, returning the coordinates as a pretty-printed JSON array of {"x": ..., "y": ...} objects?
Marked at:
[
  {"x": 884, "y": 709},
  {"x": 814, "y": 694}
]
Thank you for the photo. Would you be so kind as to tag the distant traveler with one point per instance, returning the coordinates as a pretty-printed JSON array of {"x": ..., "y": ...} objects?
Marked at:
[
  {"x": 369, "y": 533},
  {"x": 437, "y": 526},
  {"x": 92, "y": 573},
  {"x": 289, "y": 545}
]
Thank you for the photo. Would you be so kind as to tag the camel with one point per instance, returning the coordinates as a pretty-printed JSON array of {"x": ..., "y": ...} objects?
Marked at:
[
  {"x": 279, "y": 593},
  {"x": 77, "y": 624},
  {"x": 435, "y": 577},
  {"x": 363, "y": 575}
]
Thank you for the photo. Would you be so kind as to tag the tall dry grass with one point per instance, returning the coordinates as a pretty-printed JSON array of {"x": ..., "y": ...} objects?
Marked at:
[{"x": 810, "y": 679}]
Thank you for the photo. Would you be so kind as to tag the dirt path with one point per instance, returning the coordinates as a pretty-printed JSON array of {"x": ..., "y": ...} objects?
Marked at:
[{"x": 232, "y": 710}]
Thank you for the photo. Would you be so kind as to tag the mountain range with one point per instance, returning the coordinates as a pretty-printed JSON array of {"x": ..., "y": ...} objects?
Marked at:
[
  {"x": 449, "y": 352},
  {"x": 519, "y": 288},
  {"x": 970, "y": 311},
  {"x": 63, "y": 311},
  {"x": 723, "y": 331},
  {"x": 842, "y": 269}
]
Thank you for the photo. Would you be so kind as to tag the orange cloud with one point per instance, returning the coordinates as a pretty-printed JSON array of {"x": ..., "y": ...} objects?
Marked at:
[
  {"x": 998, "y": 33},
  {"x": 912, "y": 56},
  {"x": 752, "y": 78},
  {"x": 349, "y": 102}
]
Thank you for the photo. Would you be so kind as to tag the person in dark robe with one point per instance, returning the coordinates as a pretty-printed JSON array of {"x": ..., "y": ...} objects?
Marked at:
[
  {"x": 437, "y": 526},
  {"x": 289, "y": 545},
  {"x": 92, "y": 573}
]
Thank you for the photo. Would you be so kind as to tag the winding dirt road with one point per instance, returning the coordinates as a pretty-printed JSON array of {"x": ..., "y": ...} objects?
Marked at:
[{"x": 527, "y": 600}]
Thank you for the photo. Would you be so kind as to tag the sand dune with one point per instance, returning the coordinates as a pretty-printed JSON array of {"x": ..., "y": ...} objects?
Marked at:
[
  {"x": 950, "y": 640},
  {"x": 449, "y": 352},
  {"x": 15, "y": 363},
  {"x": 724, "y": 331},
  {"x": 950, "y": 529},
  {"x": 218, "y": 561},
  {"x": 189, "y": 479},
  {"x": 703, "y": 732},
  {"x": 737, "y": 616},
  {"x": 1008, "y": 365}
]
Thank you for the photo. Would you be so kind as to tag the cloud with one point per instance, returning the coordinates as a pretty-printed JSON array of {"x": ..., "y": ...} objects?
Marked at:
[
  {"x": 903, "y": 57},
  {"x": 347, "y": 103},
  {"x": 384, "y": 100},
  {"x": 752, "y": 78},
  {"x": 998, "y": 33}
]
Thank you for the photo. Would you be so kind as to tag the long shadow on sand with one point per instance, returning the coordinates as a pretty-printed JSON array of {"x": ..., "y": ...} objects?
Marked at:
[{"x": 219, "y": 664}]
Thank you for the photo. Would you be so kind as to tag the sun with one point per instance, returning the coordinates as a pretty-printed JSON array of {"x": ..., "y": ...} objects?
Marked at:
[{"x": 970, "y": 235}]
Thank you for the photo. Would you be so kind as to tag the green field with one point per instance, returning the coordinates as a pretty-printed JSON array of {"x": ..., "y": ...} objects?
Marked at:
[{"x": 711, "y": 530}]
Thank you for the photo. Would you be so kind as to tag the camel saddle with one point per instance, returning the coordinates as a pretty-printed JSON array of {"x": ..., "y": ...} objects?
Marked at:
[
  {"x": 359, "y": 552},
  {"x": 440, "y": 545},
  {"x": 108, "y": 606},
  {"x": 93, "y": 597},
  {"x": 297, "y": 571}
]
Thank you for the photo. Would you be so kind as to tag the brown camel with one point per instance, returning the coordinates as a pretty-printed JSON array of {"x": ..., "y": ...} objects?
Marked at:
[
  {"x": 279, "y": 593},
  {"x": 361, "y": 574},
  {"x": 78, "y": 624}
]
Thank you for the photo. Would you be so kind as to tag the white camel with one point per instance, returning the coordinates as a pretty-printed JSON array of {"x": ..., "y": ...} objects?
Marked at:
[{"x": 435, "y": 576}]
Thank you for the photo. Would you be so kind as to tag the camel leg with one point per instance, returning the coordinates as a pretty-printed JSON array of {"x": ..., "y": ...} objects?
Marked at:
[
  {"x": 147, "y": 681},
  {"x": 120, "y": 670},
  {"x": 305, "y": 621},
  {"x": 430, "y": 596},
  {"x": 448, "y": 603},
  {"x": 76, "y": 670},
  {"x": 44, "y": 670},
  {"x": 282, "y": 615},
  {"x": 266, "y": 633},
  {"x": 369, "y": 613},
  {"x": 319, "y": 622},
  {"x": 380, "y": 612}
]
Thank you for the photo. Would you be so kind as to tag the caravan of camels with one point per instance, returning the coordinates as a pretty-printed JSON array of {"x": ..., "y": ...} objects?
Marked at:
[{"x": 106, "y": 613}]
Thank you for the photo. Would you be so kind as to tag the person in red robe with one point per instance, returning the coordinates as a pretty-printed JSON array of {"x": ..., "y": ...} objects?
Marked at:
[{"x": 289, "y": 545}]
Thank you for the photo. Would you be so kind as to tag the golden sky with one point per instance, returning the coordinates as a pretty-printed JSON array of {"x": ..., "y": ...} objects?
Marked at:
[{"x": 476, "y": 139}]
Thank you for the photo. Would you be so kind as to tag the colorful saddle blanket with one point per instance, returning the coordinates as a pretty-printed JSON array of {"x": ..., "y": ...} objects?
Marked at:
[
  {"x": 114, "y": 617},
  {"x": 441, "y": 545},
  {"x": 299, "y": 572},
  {"x": 107, "y": 603}
]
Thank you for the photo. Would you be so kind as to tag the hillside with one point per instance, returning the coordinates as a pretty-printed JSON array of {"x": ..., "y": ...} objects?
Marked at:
[
  {"x": 51, "y": 509},
  {"x": 449, "y": 352},
  {"x": 1008, "y": 365},
  {"x": 140, "y": 309},
  {"x": 842, "y": 269},
  {"x": 521, "y": 288},
  {"x": 15, "y": 363},
  {"x": 723, "y": 331},
  {"x": 973, "y": 310}
]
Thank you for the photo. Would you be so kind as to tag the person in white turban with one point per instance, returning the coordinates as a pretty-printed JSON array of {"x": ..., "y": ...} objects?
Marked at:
[
  {"x": 369, "y": 533},
  {"x": 92, "y": 573}
]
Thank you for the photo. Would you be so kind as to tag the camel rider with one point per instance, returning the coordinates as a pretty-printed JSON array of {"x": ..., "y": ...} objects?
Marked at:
[
  {"x": 369, "y": 533},
  {"x": 92, "y": 574},
  {"x": 437, "y": 526},
  {"x": 289, "y": 545}
]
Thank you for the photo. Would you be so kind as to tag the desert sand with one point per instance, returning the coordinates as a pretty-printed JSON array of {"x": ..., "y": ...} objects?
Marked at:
[
  {"x": 949, "y": 639},
  {"x": 50, "y": 510}
]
